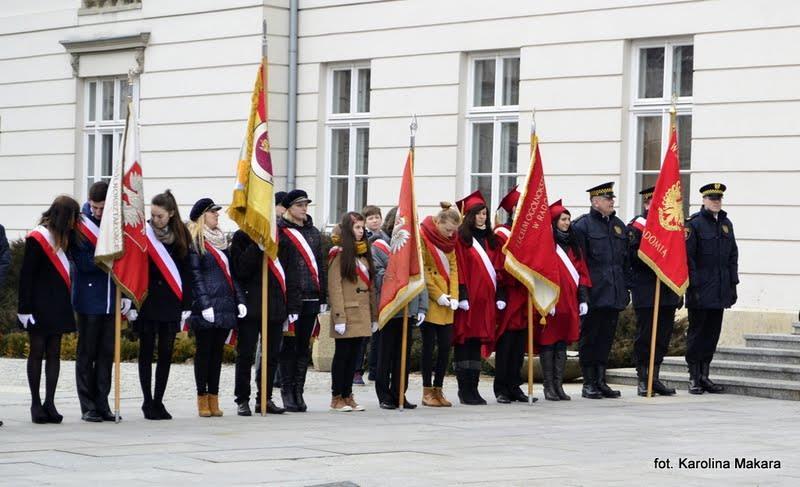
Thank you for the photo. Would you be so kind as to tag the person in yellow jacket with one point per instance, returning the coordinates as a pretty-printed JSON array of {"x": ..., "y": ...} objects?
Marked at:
[{"x": 441, "y": 277}]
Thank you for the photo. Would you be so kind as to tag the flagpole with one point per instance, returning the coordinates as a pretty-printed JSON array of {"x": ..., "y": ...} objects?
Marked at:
[
  {"x": 656, "y": 300},
  {"x": 117, "y": 338},
  {"x": 530, "y": 349},
  {"x": 265, "y": 260}
]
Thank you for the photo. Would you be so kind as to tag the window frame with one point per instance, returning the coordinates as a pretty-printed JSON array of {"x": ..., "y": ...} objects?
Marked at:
[
  {"x": 352, "y": 121},
  {"x": 649, "y": 107}
]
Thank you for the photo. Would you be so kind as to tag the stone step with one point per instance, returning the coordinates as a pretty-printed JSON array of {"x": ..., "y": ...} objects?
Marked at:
[
  {"x": 795, "y": 328},
  {"x": 762, "y": 355},
  {"x": 746, "y": 386},
  {"x": 733, "y": 368},
  {"x": 785, "y": 341}
]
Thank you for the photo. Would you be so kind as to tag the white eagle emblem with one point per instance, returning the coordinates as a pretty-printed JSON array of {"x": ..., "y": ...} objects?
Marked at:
[
  {"x": 133, "y": 203},
  {"x": 399, "y": 235}
]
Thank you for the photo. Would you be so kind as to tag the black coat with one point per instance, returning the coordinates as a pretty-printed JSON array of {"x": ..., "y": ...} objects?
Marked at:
[
  {"x": 713, "y": 261},
  {"x": 5, "y": 256},
  {"x": 43, "y": 293},
  {"x": 162, "y": 304},
  {"x": 643, "y": 279},
  {"x": 605, "y": 245},
  {"x": 210, "y": 289},
  {"x": 246, "y": 264},
  {"x": 293, "y": 262}
]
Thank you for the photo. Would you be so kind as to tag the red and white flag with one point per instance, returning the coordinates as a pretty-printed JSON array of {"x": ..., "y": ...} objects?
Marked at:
[{"x": 122, "y": 240}]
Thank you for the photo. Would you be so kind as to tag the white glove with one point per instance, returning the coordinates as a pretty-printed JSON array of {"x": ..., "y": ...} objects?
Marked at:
[
  {"x": 185, "y": 315},
  {"x": 132, "y": 315},
  {"x": 552, "y": 311},
  {"x": 339, "y": 328},
  {"x": 444, "y": 300},
  {"x": 208, "y": 314},
  {"x": 454, "y": 304},
  {"x": 583, "y": 308},
  {"x": 463, "y": 305},
  {"x": 242, "y": 311},
  {"x": 286, "y": 326},
  {"x": 501, "y": 305},
  {"x": 420, "y": 318},
  {"x": 292, "y": 319},
  {"x": 323, "y": 308},
  {"x": 25, "y": 320},
  {"x": 125, "y": 306},
  {"x": 374, "y": 327},
  {"x": 261, "y": 247}
]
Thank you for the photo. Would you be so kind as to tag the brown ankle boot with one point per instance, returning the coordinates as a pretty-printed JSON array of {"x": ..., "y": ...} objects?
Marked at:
[
  {"x": 440, "y": 397},
  {"x": 429, "y": 397},
  {"x": 338, "y": 405},
  {"x": 202, "y": 406},
  {"x": 351, "y": 401},
  {"x": 213, "y": 405}
]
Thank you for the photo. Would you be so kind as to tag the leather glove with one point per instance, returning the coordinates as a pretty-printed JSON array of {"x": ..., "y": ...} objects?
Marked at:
[
  {"x": 583, "y": 308},
  {"x": 208, "y": 314},
  {"x": 242, "y": 311},
  {"x": 552, "y": 311},
  {"x": 125, "y": 306},
  {"x": 454, "y": 304},
  {"x": 339, "y": 328},
  {"x": 286, "y": 326},
  {"x": 444, "y": 300},
  {"x": 420, "y": 318},
  {"x": 132, "y": 315},
  {"x": 463, "y": 305},
  {"x": 292, "y": 318},
  {"x": 26, "y": 320},
  {"x": 501, "y": 305},
  {"x": 374, "y": 327},
  {"x": 323, "y": 308}
]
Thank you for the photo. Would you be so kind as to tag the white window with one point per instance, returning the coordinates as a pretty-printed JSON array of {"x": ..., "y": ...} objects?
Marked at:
[
  {"x": 105, "y": 110},
  {"x": 493, "y": 126},
  {"x": 660, "y": 70},
  {"x": 347, "y": 127}
]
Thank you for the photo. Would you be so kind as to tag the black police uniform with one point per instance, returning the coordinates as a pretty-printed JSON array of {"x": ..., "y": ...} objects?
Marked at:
[
  {"x": 713, "y": 259},
  {"x": 605, "y": 243}
]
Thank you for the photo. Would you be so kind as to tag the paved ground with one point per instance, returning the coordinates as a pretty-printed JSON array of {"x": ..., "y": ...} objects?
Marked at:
[{"x": 581, "y": 442}]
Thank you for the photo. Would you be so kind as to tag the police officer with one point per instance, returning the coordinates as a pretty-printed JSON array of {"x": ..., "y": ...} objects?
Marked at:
[
  {"x": 713, "y": 259},
  {"x": 643, "y": 288},
  {"x": 604, "y": 239}
]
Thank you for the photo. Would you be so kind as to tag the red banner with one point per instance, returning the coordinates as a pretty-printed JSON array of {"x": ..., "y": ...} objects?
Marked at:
[{"x": 663, "y": 245}]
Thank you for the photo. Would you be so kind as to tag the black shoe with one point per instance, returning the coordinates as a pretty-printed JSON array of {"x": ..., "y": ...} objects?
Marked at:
[
  {"x": 659, "y": 387},
  {"x": 518, "y": 395},
  {"x": 147, "y": 410},
  {"x": 387, "y": 405},
  {"x": 559, "y": 365},
  {"x": 408, "y": 404},
  {"x": 641, "y": 381},
  {"x": 601, "y": 384},
  {"x": 707, "y": 384},
  {"x": 301, "y": 403},
  {"x": 38, "y": 415},
  {"x": 244, "y": 409},
  {"x": 694, "y": 379},
  {"x": 503, "y": 399},
  {"x": 287, "y": 395},
  {"x": 590, "y": 390},
  {"x": 52, "y": 414},
  {"x": 273, "y": 408},
  {"x": 108, "y": 416},
  {"x": 92, "y": 417},
  {"x": 160, "y": 411}
]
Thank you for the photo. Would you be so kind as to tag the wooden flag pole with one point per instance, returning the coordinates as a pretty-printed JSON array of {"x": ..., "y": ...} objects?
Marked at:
[
  {"x": 401, "y": 394},
  {"x": 265, "y": 260},
  {"x": 530, "y": 350},
  {"x": 653, "y": 333},
  {"x": 117, "y": 340}
]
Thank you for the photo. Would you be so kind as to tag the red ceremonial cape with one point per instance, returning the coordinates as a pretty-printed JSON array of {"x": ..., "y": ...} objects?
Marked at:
[
  {"x": 479, "y": 320},
  {"x": 515, "y": 316},
  {"x": 565, "y": 325}
]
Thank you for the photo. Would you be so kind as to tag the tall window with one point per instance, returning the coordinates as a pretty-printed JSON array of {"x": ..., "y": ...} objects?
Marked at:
[
  {"x": 493, "y": 125},
  {"x": 660, "y": 69},
  {"x": 348, "y": 139},
  {"x": 106, "y": 107}
]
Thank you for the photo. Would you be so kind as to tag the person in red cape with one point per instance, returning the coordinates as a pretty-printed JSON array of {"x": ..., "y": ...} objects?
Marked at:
[
  {"x": 45, "y": 306},
  {"x": 480, "y": 295},
  {"x": 563, "y": 324},
  {"x": 512, "y": 322}
]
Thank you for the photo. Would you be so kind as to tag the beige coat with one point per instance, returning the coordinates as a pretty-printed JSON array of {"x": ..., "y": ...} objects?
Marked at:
[{"x": 351, "y": 303}]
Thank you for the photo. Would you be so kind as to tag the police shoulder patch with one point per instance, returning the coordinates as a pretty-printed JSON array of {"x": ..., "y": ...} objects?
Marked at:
[
  {"x": 687, "y": 230},
  {"x": 618, "y": 229}
]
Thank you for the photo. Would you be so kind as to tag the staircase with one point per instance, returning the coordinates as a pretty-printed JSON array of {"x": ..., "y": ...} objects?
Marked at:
[{"x": 767, "y": 366}]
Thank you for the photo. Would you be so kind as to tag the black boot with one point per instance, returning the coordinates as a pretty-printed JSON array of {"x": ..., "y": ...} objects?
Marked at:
[
  {"x": 147, "y": 410},
  {"x": 641, "y": 380},
  {"x": 52, "y": 413},
  {"x": 287, "y": 395},
  {"x": 694, "y": 379},
  {"x": 559, "y": 366},
  {"x": 299, "y": 384},
  {"x": 475, "y": 377},
  {"x": 601, "y": 384},
  {"x": 546, "y": 358},
  {"x": 659, "y": 387},
  {"x": 38, "y": 415},
  {"x": 707, "y": 384},
  {"x": 590, "y": 390},
  {"x": 465, "y": 395}
]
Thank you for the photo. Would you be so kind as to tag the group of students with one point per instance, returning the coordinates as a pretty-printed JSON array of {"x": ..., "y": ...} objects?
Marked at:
[{"x": 201, "y": 281}]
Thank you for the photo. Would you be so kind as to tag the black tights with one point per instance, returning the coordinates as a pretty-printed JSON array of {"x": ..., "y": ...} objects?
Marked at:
[
  {"x": 166, "y": 332},
  {"x": 441, "y": 336},
  {"x": 44, "y": 347},
  {"x": 208, "y": 359}
]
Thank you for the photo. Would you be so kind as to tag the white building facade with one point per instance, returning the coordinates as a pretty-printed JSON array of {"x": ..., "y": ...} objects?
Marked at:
[{"x": 599, "y": 73}]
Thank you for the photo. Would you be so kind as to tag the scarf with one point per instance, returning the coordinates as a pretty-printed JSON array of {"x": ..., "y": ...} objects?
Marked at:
[
  {"x": 562, "y": 237},
  {"x": 216, "y": 238},
  {"x": 361, "y": 245},
  {"x": 432, "y": 234},
  {"x": 164, "y": 235}
]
